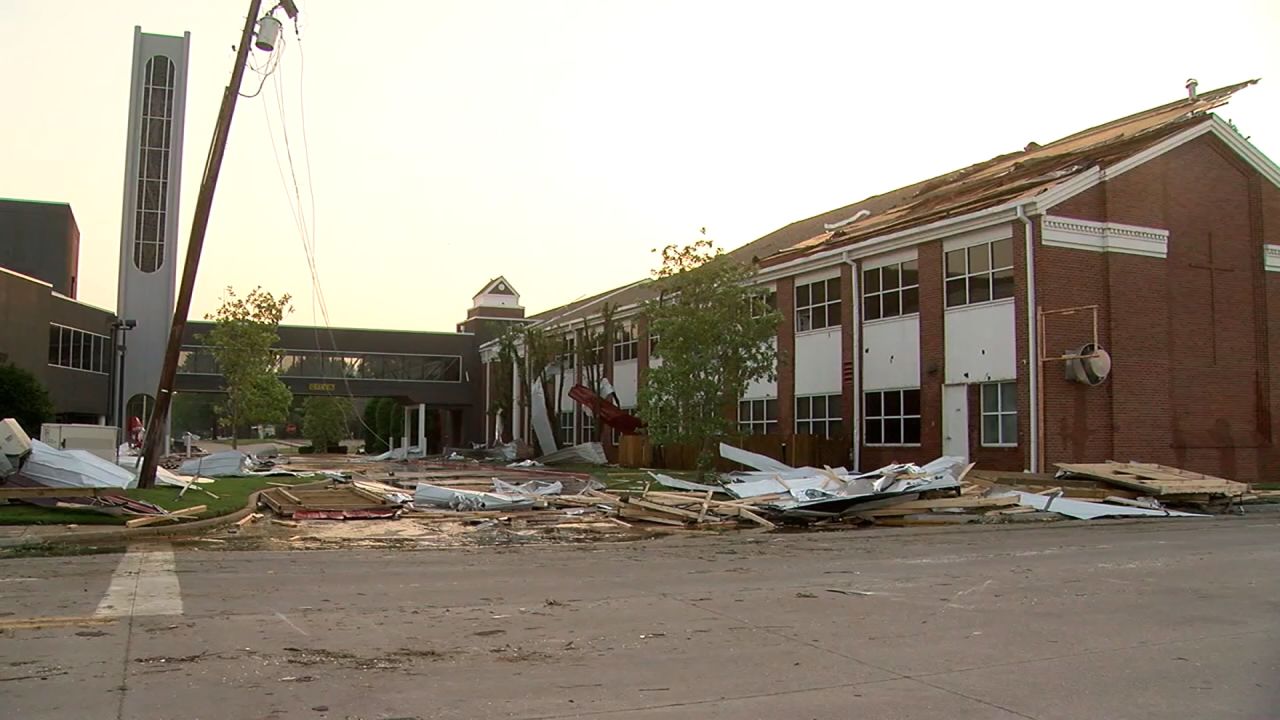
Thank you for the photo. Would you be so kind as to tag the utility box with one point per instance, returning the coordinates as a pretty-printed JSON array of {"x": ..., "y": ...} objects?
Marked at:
[{"x": 97, "y": 439}]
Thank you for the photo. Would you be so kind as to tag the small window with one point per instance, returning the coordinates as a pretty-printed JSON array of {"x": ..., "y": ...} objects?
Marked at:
[
  {"x": 624, "y": 343},
  {"x": 1000, "y": 414},
  {"x": 568, "y": 354},
  {"x": 979, "y": 273},
  {"x": 819, "y": 415},
  {"x": 891, "y": 417},
  {"x": 818, "y": 305},
  {"x": 764, "y": 303},
  {"x": 653, "y": 345},
  {"x": 566, "y": 426},
  {"x": 758, "y": 417},
  {"x": 890, "y": 291},
  {"x": 588, "y": 431}
]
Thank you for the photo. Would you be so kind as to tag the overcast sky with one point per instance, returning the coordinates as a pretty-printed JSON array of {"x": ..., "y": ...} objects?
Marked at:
[{"x": 557, "y": 143}]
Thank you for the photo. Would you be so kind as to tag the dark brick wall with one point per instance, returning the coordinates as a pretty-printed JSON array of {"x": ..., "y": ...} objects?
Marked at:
[
  {"x": 932, "y": 349},
  {"x": 1191, "y": 380},
  {"x": 787, "y": 355}
]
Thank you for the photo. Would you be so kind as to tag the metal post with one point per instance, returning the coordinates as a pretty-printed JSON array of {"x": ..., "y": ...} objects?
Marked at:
[{"x": 199, "y": 224}]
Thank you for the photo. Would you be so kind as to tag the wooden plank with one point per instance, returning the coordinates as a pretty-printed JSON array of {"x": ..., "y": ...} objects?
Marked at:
[
  {"x": 182, "y": 514},
  {"x": 289, "y": 496},
  {"x": 747, "y": 514},
  {"x": 8, "y": 493},
  {"x": 1156, "y": 479},
  {"x": 660, "y": 508}
]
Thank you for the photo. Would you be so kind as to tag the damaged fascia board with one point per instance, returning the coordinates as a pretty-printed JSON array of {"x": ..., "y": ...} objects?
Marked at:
[
  {"x": 591, "y": 453},
  {"x": 752, "y": 460},
  {"x": 454, "y": 499},
  {"x": 221, "y": 464},
  {"x": 1084, "y": 510},
  {"x": 678, "y": 484}
]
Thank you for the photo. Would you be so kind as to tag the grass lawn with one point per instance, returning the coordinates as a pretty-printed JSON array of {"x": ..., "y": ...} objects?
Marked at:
[
  {"x": 232, "y": 494},
  {"x": 620, "y": 478}
]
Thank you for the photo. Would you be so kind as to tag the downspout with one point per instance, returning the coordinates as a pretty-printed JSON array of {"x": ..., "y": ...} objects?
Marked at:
[
  {"x": 856, "y": 430},
  {"x": 1033, "y": 352}
]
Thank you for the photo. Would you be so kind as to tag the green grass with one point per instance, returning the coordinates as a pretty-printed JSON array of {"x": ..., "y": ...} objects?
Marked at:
[
  {"x": 232, "y": 494},
  {"x": 619, "y": 478},
  {"x": 1266, "y": 486}
]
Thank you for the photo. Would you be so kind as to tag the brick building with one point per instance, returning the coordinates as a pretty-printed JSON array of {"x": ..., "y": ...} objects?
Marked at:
[{"x": 935, "y": 318}]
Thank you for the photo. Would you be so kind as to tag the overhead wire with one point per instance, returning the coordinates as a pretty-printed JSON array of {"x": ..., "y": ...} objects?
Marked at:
[{"x": 306, "y": 231}]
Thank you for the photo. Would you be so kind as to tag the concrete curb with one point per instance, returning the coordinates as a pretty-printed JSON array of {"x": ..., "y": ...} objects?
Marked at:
[{"x": 125, "y": 534}]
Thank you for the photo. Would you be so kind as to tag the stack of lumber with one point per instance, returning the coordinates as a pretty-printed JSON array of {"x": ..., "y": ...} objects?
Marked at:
[
  {"x": 336, "y": 502},
  {"x": 1169, "y": 485}
]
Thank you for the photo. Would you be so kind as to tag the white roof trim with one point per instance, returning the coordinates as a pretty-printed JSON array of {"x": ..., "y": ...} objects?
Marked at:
[{"x": 1095, "y": 236}]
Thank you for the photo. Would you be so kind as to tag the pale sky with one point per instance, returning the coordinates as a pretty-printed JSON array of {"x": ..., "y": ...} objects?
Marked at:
[{"x": 557, "y": 143}]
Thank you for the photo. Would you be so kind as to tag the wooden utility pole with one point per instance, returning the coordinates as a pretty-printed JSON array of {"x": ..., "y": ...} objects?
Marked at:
[{"x": 199, "y": 224}]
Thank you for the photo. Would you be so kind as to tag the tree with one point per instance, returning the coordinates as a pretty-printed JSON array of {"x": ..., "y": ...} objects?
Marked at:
[
  {"x": 530, "y": 350},
  {"x": 324, "y": 421},
  {"x": 243, "y": 341},
  {"x": 595, "y": 342},
  {"x": 24, "y": 399},
  {"x": 716, "y": 330}
]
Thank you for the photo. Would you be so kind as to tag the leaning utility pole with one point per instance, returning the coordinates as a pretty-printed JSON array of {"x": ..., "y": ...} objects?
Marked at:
[{"x": 199, "y": 223}]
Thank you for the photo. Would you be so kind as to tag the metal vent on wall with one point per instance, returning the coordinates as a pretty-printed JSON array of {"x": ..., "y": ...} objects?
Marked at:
[{"x": 1090, "y": 365}]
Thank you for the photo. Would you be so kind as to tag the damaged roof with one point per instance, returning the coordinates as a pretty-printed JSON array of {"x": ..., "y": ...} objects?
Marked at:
[{"x": 1012, "y": 176}]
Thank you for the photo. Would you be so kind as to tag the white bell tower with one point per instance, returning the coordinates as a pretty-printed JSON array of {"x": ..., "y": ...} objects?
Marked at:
[{"x": 149, "y": 222}]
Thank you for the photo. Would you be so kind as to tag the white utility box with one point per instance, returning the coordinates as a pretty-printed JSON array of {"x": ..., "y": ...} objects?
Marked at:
[{"x": 97, "y": 439}]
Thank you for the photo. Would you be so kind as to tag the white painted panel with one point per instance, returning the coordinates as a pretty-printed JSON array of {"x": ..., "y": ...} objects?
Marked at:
[
  {"x": 891, "y": 354},
  {"x": 625, "y": 382},
  {"x": 818, "y": 362},
  {"x": 985, "y": 235},
  {"x": 824, "y": 274},
  {"x": 889, "y": 258},
  {"x": 980, "y": 343},
  {"x": 757, "y": 389},
  {"x": 955, "y": 421}
]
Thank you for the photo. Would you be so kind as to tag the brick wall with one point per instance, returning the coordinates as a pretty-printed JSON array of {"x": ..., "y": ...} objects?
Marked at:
[
  {"x": 932, "y": 349},
  {"x": 787, "y": 355},
  {"x": 1191, "y": 347}
]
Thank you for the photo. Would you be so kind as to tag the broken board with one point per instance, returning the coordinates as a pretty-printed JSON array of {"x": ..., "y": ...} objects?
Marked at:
[{"x": 1156, "y": 479}]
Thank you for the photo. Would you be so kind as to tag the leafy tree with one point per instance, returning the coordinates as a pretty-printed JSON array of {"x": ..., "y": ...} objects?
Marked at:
[
  {"x": 194, "y": 413},
  {"x": 715, "y": 329},
  {"x": 243, "y": 341},
  {"x": 374, "y": 442},
  {"x": 324, "y": 421},
  {"x": 24, "y": 399},
  {"x": 595, "y": 343},
  {"x": 384, "y": 422}
]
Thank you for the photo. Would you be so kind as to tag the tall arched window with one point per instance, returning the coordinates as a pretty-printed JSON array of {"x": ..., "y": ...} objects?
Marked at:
[{"x": 155, "y": 139}]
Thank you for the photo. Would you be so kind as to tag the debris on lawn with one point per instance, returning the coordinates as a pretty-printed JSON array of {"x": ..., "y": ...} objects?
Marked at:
[{"x": 590, "y": 453}]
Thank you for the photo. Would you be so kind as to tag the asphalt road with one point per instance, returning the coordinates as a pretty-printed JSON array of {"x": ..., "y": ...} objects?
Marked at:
[{"x": 1165, "y": 619}]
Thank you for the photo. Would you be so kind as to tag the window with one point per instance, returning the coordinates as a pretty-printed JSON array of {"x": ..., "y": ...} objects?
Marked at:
[
  {"x": 891, "y": 417},
  {"x": 568, "y": 352},
  {"x": 758, "y": 417},
  {"x": 624, "y": 343},
  {"x": 980, "y": 273},
  {"x": 763, "y": 303},
  {"x": 818, "y": 305},
  {"x": 653, "y": 345},
  {"x": 1000, "y": 414},
  {"x": 818, "y": 415},
  {"x": 890, "y": 291},
  {"x": 566, "y": 426},
  {"x": 588, "y": 429},
  {"x": 79, "y": 350},
  {"x": 155, "y": 138},
  {"x": 200, "y": 360}
]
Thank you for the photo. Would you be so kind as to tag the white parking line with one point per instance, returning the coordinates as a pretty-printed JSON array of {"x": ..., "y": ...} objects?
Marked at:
[{"x": 145, "y": 583}]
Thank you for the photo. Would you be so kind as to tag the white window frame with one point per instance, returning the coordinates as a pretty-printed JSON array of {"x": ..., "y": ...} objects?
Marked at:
[
  {"x": 900, "y": 292},
  {"x": 812, "y": 422},
  {"x": 884, "y": 418},
  {"x": 569, "y": 352},
  {"x": 754, "y": 417},
  {"x": 804, "y": 313},
  {"x": 1000, "y": 412},
  {"x": 626, "y": 346},
  {"x": 568, "y": 432},
  {"x": 587, "y": 432},
  {"x": 970, "y": 276},
  {"x": 764, "y": 302}
]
